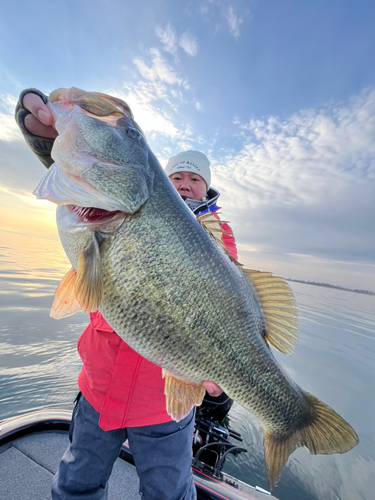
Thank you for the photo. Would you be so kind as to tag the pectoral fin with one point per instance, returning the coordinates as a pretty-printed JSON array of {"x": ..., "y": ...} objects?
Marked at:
[
  {"x": 65, "y": 302},
  {"x": 89, "y": 281},
  {"x": 181, "y": 396}
]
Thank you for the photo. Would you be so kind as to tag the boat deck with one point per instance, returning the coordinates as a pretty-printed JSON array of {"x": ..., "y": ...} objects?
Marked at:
[
  {"x": 28, "y": 465},
  {"x": 31, "y": 447}
]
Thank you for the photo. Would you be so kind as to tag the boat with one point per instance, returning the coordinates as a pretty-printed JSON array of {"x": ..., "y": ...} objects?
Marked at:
[{"x": 31, "y": 446}]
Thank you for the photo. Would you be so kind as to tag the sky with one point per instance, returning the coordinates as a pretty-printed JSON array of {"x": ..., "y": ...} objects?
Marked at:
[{"x": 280, "y": 95}]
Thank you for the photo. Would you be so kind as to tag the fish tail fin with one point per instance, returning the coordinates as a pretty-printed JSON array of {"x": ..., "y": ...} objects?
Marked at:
[{"x": 325, "y": 433}]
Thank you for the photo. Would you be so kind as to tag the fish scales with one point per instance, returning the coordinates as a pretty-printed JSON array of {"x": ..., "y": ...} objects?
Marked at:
[
  {"x": 168, "y": 288},
  {"x": 218, "y": 343}
]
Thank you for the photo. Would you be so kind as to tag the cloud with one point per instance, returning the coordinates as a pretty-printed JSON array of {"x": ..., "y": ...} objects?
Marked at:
[
  {"x": 8, "y": 103},
  {"x": 310, "y": 154},
  {"x": 213, "y": 10},
  {"x": 189, "y": 43},
  {"x": 306, "y": 184},
  {"x": 9, "y": 130},
  {"x": 19, "y": 167},
  {"x": 28, "y": 220},
  {"x": 23, "y": 213},
  {"x": 171, "y": 43},
  {"x": 168, "y": 38},
  {"x": 198, "y": 105},
  {"x": 22, "y": 197},
  {"x": 153, "y": 119},
  {"x": 233, "y": 21},
  {"x": 158, "y": 70}
]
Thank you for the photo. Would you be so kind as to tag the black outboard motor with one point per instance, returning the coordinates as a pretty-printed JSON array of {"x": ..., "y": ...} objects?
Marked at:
[
  {"x": 215, "y": 408},
  {"x": 211, "y": 442}
]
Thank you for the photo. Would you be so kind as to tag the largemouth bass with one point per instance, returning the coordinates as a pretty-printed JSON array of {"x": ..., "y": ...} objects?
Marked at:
[{"x": 164, "y": 283}]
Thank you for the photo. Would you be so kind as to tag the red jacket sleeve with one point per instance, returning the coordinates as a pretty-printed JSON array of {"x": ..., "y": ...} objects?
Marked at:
[{"x": 228, "y": 239}]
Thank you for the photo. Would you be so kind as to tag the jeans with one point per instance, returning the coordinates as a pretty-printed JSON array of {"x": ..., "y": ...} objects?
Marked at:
[{"x": 162, "y": 454}]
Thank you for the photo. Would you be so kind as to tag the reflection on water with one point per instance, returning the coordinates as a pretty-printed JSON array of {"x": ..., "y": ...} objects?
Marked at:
[
  {"x": 38, "y": 359},
  {"x": 334, "y": 361}
]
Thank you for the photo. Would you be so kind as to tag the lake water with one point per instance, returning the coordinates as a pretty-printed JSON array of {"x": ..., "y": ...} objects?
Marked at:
[{"x": 335, "y": 361}]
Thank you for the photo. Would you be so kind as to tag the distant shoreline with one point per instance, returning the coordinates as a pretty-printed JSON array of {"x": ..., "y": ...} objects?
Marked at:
[{"x": 327, "y": 285}]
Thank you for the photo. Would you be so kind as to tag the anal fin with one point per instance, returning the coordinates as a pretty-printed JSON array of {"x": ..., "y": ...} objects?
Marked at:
[
  {"x": 181, "y": 396},
  {"x": 65, "y": 302}
]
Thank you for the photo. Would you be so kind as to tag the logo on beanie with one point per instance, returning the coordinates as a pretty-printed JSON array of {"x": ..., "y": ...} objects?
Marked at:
[{"x": 185, "y": 165}]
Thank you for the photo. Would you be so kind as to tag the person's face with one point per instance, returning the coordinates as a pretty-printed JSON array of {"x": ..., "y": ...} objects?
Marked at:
[{"x": 189, "y": 184}]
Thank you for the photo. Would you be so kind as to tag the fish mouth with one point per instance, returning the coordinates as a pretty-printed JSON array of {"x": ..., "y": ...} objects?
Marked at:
[{"x": 93, "y": 214}]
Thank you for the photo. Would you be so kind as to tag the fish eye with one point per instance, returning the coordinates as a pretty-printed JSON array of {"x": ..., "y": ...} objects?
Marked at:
[{"x": 133, "y": 133}]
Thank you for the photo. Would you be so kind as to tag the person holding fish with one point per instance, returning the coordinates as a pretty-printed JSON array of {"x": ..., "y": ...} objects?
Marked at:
[
  {"x": 170, "y": 286},
  {"x": 121, "y": 393}
]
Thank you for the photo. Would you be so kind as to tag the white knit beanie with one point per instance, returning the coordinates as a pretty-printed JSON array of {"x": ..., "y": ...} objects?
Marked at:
[{"x": 190, "y": 161}]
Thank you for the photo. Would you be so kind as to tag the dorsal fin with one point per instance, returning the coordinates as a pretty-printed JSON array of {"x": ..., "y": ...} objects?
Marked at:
[
  {"x": 275, "y": 295},
  {"x": 212, "y": 226},
  {"x": 279, "y": 309}
]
